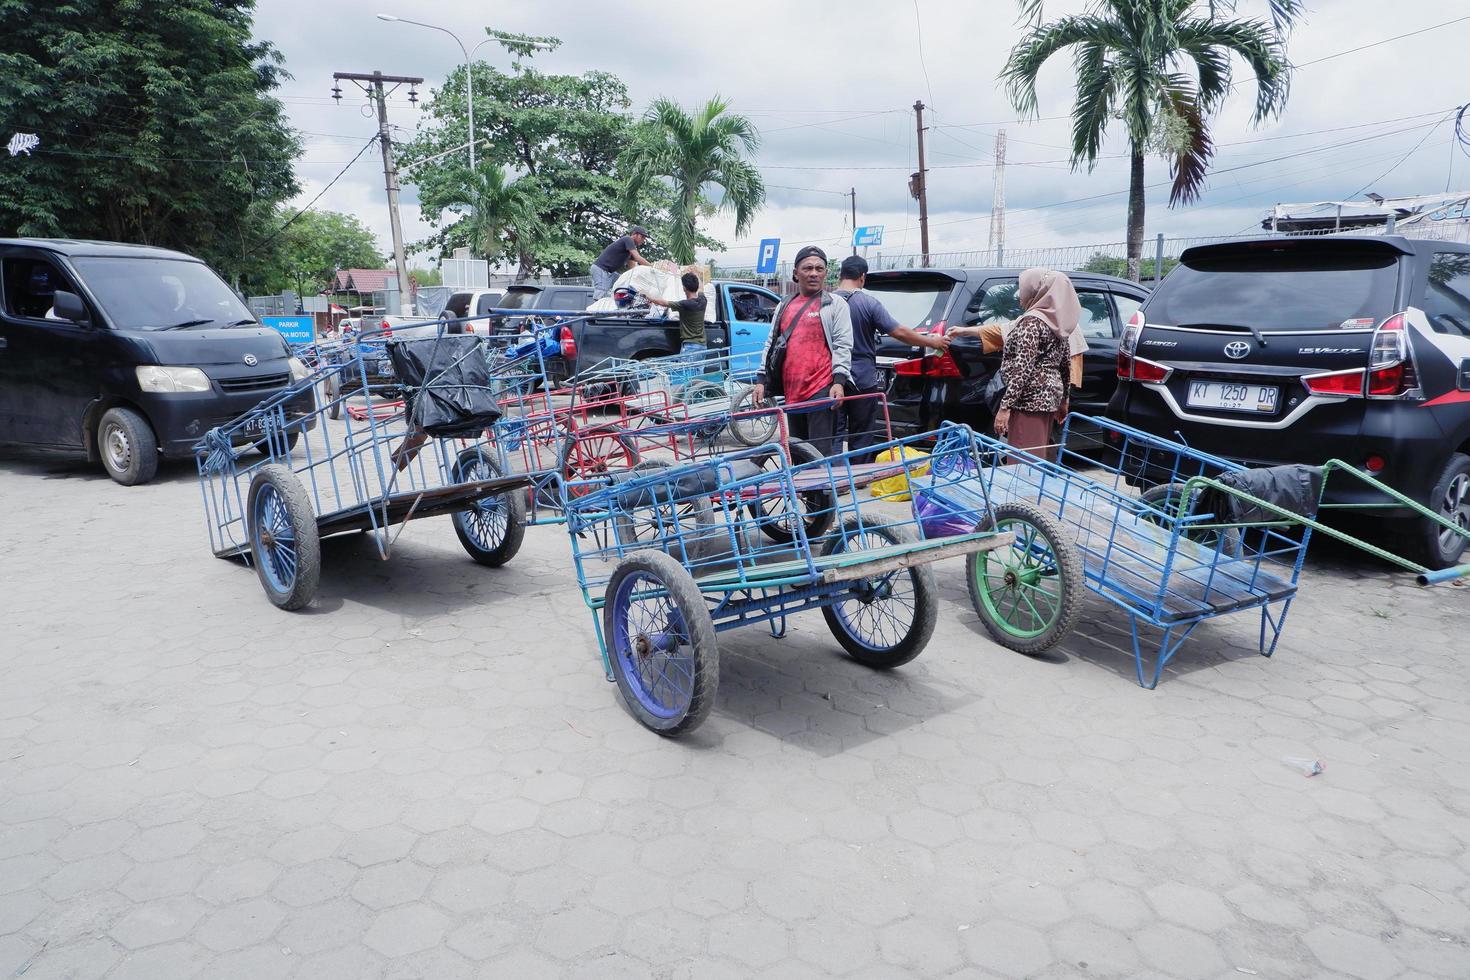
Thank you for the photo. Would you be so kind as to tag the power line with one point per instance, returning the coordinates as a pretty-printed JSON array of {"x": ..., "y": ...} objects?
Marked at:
[
  {"x": 1387, "y": 40},
  {"x": 1401, "y": 160},
  {"x": 291, "y": 220},
  {"x": 919, "y": 34}
]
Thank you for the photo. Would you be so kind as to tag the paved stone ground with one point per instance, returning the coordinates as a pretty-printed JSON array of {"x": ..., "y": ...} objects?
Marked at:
[{"x": 427, "y": 776}]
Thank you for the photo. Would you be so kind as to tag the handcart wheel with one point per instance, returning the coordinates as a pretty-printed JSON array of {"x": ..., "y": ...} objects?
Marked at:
[
  {"x": 682, "y": 528},
  {"x": 1028, "y": 595},
  {"x": 491, "y": 529},
  {"x": 661, "y": 642},
  {"x": 884, "y": 621},
  {"x": 592, "y": 453},
  {"x": 283, "y": 537},
  {"x": 1166, "y": 497},
  {"x": 752, "y": 430},
  {"x": 700, "y": 392},
  {"x": 816, "y": 508}
]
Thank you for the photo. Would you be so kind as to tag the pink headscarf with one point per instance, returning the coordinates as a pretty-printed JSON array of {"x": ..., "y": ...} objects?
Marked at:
[{"x": 1050, "y": 296}]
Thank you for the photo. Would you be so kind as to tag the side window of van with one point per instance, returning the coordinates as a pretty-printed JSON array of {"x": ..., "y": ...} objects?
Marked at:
[
  {"x": 1447, "y": 297},
  {"x": 30, "y": 285}
]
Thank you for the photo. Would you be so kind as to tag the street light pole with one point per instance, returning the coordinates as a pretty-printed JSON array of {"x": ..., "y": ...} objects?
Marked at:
[{"x": 469, "y": 71}]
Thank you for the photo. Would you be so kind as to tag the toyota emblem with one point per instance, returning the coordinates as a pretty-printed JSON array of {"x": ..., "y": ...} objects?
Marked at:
[
  {"x": 1237, "y": 349},
  {"x": 250, "y": 360}
]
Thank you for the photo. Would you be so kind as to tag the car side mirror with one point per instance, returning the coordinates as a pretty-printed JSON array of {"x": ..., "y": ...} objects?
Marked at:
[{"x": 68, "y": 306}]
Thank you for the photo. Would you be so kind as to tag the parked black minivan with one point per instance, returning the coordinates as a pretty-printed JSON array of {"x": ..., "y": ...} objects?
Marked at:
[
  {"x": 1300, "y": 350},
  {"x": 126, "y": 352}
]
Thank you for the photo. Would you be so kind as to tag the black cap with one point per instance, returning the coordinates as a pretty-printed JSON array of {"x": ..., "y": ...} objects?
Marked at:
[
  {"x": 807, "y": 252},
  {"x": 854, "y": 267},
  {"x": 639, "y": 230}
]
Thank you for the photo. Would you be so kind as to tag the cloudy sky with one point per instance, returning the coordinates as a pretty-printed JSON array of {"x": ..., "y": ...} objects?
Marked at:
[{"x": 833, "y": 98}]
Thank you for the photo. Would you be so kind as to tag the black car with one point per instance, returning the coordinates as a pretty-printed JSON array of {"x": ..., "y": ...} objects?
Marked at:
[
  {"x": 924, "y": 391},
  {"x": 533, "y": 296},
  {"x": 126, "y": 352},
  {"x": 1309, "y": 349}
]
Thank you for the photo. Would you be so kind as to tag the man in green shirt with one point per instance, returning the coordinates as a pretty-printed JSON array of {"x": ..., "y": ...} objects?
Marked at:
[{"x": 691, "y": 314}]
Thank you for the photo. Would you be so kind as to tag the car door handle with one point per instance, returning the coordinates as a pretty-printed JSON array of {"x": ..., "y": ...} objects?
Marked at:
[{"x": 742, "y": 333}]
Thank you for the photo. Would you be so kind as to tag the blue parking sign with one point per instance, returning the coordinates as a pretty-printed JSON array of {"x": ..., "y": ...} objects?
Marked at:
[
  {"x": 296, "y": 329},
  {"x": 867, "y": 235},
  {"x": 770, "y": 248}
]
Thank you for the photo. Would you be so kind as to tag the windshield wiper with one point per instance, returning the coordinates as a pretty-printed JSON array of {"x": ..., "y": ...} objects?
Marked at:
[
  {"x": 1254, "y": 330},
  {"x": 188, "y": 323},
  {"x": 240, "y": 323}
]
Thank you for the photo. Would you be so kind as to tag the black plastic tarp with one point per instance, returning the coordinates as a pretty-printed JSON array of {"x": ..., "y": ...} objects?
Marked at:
[
  {"x": 447, "y": 384},
  {"x": 1294, "y": 487}
]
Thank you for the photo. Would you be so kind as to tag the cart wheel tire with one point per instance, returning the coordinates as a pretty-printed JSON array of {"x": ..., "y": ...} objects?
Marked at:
[
  {"x": 699, "y": 392},
  {"x": 1437, "y": 546},
  {"x": 696, "y": 539},
  {"x": 284, "y": 546},
  {"x": 1166, "y": 496},
  {"x": 609, "y": 450},
  {"x": 1028, "y": 595},
  {"x": 661, "y": 642},
  {"x": 818, "y": 507},
  {"x": 886, "y": 621},
  {"x": 128, "y": 448},
  {"x": 491, "y": 530},
  {"x": 754, "y": 430}
]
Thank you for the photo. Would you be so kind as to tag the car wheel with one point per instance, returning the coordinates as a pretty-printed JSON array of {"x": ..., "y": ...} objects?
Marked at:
[
  {"x": 128, "y": 448},
  {"x": 1439, "y": 546}
]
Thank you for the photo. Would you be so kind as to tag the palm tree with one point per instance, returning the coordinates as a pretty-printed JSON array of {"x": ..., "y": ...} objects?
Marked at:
[
  {"x": 693, "y": 152},
  {"x": 500, "y": 220},
  {"x": 1133, "y": 60}
]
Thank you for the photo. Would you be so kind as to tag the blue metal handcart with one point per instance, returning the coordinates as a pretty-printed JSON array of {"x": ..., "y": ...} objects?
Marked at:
[
  {"x": 288, "y": 473},
  {"x": 669, "y": 555}
]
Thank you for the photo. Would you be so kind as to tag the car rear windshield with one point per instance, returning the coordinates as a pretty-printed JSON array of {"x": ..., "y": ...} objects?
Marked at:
[
  {"x": 1287, "y": 288},
  {"x": 520, "y": 299},
  {"x": 917, "y": 302},
  {"x": 153, "y": 294}
]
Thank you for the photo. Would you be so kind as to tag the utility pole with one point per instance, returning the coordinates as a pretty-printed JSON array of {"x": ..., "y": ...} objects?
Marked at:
[
  {"x": 852, "y": 193},
  {"x": 998, "y": 201},
  {"x": 373, "y": 85},
  {"x": 921, "y": 191}
]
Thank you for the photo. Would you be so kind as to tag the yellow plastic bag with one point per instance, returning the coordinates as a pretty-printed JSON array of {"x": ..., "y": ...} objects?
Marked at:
[{"x": 896, "y": 487}]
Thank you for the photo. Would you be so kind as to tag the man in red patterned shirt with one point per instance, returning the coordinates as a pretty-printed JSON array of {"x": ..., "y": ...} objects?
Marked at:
[{"x": 813, "y": 330}]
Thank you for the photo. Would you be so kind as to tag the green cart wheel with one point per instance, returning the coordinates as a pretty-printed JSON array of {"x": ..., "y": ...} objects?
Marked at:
[{"x": 1028, "y": 595}]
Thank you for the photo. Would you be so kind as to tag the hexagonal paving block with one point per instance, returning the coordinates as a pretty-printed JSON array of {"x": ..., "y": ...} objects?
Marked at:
[
  {"x": 1352, "y": 954},
  {"x": 576, "y": 932},
  {"x": 1006, "y": 948},
  {"x": 157, "y": 922},
  {"x": 387, "y": 885},
  {"x": 469, "y": 889},
  {"x": 240, "y": 925},
  {"x": 407, "y": 929},
  {"x": 750, "y": 939}
]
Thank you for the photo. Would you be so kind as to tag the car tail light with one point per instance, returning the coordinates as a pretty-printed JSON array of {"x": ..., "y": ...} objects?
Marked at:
[
  {"x": 942, "y": 366},
  {"x": 1129, "y": 342},
  {"x": 1375, "y": 463},
  {"x": 1132, "y": 367},
  {"x": 1390, "y": 369},
  {"x": 1339, "y": 383},
  {"x": 568, "y": 344}
]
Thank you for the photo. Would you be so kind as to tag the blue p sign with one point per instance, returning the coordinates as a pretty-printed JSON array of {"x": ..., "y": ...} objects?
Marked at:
[{"x": 770, "y": 248}]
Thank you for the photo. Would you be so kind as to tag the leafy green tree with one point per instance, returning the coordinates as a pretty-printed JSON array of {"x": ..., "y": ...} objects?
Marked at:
[
  {"x": 691, "y": 152},
  {"x": 427, "y": 277},
  {"x": 499, "y": 217},
  {"x": 156, "y": 125},
  {"x": 561, "y": 136},
  {"x": 313, "y": 247},
  {"x": 1162, "y": 67},
  {"x": 1111, "y": 265}
]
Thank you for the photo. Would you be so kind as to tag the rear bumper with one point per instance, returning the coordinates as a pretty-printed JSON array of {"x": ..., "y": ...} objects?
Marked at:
[{"x": 1411, "y": 443}]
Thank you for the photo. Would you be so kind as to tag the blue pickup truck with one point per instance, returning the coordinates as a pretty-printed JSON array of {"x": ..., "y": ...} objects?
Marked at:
[{"x": 740, "y": 320}]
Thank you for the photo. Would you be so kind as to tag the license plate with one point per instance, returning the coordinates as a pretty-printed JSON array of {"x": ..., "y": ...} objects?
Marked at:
[
  {"x": 1230, "y": 396},
  {"x": 255, "y": 426}
]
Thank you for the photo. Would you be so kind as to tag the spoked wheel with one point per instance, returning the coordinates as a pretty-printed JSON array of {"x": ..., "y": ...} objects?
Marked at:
[
  {"x": 682, "y": 528},
  {"x": 1166, "y": 497},
  {"x": 661, "y": 642},
  {"x": 283, "y": 537},
  {"x": 703, "y": 392},
  {"x": 751, "y": 430},
  {"x": 815, "y": 508},
  {"x": 595, "y": 452},
  {"x": 884, "y": 621},
  {"x": 1028, "y": 595},
  {"x": 491, "y": 529}
]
